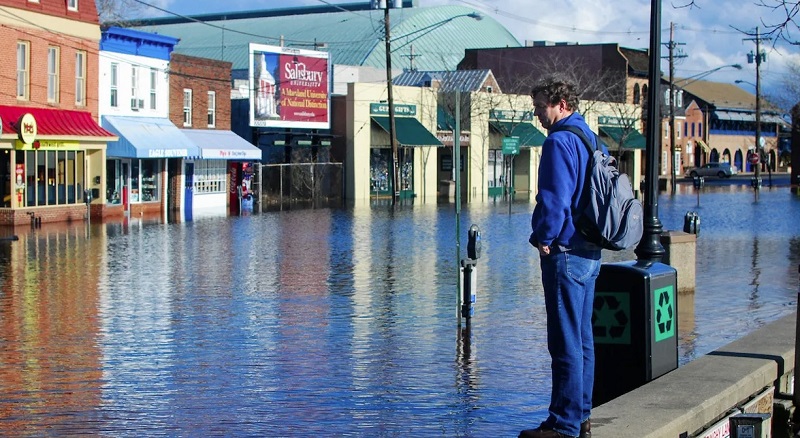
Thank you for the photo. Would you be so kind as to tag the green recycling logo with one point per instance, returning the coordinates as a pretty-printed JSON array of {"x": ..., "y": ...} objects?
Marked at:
[
  {"x": 611, "y": 318},
  {"x": 664, "y": 301}
]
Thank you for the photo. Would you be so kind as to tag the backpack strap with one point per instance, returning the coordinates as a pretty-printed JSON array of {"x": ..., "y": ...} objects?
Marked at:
[
  {"x": 584, "y": 202},
  {"x": 579, "y": 132}
]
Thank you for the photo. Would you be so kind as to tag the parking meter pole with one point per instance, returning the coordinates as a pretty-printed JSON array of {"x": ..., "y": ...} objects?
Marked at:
[
  {"x": 468, "y": 295},
  {"x": 87, "y": 198},
  {"x": 698, "y": 182},
  {"x": 468, "y": 286}
]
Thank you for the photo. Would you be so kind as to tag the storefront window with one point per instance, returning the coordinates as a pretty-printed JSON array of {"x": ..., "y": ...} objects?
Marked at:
[
  {"x": 494, "y": 172},
  {"x": 42, "y": 183},
  {"x": 379, "y": 170},
  {"x": 79, "y": 176},
  {"x": 210, "y": 176},
  {"x": 50, "y": 177},
  {"x": 113, "y": 182},
  {"x": 61, "y": 177},
  {"x": 135, "y": 181},
  {"x": 406, "y": 156},
  {"x": 150, "y": 187},
  {"x": 6, "y": 177},
  {"x": 31, "y": 192}
]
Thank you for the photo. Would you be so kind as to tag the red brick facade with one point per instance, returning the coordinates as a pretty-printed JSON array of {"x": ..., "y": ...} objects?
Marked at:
[
  {"x": 201, "y": 76},
  {"x": 42, "y": 25},
  {"x": 40, "y": 40}
]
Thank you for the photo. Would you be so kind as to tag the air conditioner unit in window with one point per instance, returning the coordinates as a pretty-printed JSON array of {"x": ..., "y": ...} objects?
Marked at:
[
  {"x": 141, "y": 103},
  {"x": 134, "y": 104}
]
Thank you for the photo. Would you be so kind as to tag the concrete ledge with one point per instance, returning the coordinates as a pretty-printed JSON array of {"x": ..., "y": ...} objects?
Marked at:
[{"x": 703, "y": 391}]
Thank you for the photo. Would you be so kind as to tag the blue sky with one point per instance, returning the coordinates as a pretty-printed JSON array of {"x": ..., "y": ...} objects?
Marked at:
[{"x": 710, "y": 32}]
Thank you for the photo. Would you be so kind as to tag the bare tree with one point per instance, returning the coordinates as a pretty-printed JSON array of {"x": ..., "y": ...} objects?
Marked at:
[
  {"x": 117, "y": 12},
  {"x": 785, "y": 28},
  {"x": 789, "y": 94}
]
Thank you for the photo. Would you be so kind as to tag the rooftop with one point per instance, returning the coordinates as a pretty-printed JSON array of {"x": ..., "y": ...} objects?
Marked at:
[{"x": 434, "y": 37}]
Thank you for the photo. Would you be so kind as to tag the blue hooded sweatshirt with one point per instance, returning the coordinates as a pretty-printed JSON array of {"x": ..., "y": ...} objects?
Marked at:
[{"x": 562, "y": 174}]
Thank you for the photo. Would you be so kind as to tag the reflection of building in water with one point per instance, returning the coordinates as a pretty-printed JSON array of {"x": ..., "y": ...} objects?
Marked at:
[
  {"x": 50, "y": 329},
  {"x": 265, "y": 89}
]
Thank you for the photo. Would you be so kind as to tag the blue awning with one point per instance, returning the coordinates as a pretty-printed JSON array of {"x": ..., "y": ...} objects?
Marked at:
[
  {"x": 147, "y": 137},
  {"x": 222, "y": 145}
]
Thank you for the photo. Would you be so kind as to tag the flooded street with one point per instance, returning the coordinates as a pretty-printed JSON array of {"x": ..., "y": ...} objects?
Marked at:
[{"x": 336, "y": 322}]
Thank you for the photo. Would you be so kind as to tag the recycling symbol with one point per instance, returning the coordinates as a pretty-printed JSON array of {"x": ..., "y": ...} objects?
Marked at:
[
  {"x": 611, "y": 318},
  {"x": 665, "y": 313}
]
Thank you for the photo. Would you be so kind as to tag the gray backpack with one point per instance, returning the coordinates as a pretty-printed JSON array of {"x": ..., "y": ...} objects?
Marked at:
[{"x": 609, "y": 215}]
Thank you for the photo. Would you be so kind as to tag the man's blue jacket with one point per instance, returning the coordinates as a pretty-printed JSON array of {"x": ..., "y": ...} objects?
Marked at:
[{"x": 562, "y": 176}]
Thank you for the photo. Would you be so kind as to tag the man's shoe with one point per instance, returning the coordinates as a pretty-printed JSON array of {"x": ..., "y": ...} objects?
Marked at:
[
  {"x": 586, "y": 429},
  {"x": 540, "y": 432}
]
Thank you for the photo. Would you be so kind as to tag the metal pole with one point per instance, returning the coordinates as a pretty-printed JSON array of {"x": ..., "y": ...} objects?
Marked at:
[
  {"x": 796, "y": 385},
  {"x": 759, "y": 150},
  {"x": 673, "y": 172},
  {"x": 390, "y": 100},
  {"x": 457, "y": 167},
  {"x": 650, "y": 248},
  {"x": 510, "y": 184}
]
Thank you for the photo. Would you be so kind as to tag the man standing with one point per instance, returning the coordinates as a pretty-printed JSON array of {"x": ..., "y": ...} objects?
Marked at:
[{"x": 570, "y": 265}]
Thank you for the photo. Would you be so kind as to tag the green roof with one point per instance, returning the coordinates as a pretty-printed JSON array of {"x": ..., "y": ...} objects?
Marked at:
[
  {"x": 408, "y": 131},
  {"x": 438, "y": 36},
  {"x": 629, "y": 138},
  {"x": 527, "y": 133}
]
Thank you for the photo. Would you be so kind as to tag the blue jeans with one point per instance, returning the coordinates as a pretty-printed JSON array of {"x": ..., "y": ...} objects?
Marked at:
[{"x": 568, "y": 279}]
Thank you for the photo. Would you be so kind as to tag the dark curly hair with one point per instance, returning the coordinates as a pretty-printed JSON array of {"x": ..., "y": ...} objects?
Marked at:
[{"x": 555, "y": 88}]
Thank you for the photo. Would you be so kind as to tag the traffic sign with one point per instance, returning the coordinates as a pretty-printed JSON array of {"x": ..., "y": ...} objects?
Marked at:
[{"x": 510, "y": 145}]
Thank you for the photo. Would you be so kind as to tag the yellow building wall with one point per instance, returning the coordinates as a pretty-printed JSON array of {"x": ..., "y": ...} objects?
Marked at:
[{"x": 360, "y": 134}]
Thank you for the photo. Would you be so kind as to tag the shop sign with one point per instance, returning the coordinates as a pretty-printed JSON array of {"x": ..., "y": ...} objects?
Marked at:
[
  {"x": 624, "y": 122},
  {"x": 446, "y": 137},
  {"x": 27, "y": 129},
  {"x": 47, "y": 144},
  {"x": 510, "y": 116},
  {"x": 167, "y": 153},
  {"x": 382, "y": 109}
]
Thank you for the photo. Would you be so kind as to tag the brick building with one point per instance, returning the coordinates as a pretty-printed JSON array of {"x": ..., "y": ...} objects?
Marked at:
[
  {"x": 200, "y": 104},
  {"x": 52, "y": 149}
]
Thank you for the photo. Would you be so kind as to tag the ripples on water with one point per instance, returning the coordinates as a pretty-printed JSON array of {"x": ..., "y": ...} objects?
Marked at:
[{"x": 335, "y": 322}]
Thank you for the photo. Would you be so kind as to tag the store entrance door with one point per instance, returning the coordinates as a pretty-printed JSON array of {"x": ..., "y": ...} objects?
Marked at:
[
  {"x": 125, "y": 175},
  {"x": 188, "y": 191}
]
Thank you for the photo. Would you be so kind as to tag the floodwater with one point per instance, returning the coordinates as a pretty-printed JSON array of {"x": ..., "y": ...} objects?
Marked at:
[{"x": 335, "y": 322}]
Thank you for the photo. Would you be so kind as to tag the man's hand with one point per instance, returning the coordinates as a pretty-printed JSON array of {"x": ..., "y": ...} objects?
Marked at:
[{"x": 544, "y": 249}]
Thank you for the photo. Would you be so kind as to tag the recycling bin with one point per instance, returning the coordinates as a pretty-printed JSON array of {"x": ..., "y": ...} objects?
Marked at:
[{"x": 635, "y": 324}]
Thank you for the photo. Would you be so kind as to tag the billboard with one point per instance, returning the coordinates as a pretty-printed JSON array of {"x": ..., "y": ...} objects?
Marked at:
[{"x": 289, "y": 88}]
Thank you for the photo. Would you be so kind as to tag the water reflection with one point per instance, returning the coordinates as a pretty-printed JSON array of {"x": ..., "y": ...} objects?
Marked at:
[{"x": 331, "y": 321}]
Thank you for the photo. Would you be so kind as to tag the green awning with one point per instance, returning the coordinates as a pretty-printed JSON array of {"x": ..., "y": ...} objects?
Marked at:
[
  {"x": 629, "y": 138},
  {"x": 409, "y": 131},
  {"x": 527, "y": 133}
]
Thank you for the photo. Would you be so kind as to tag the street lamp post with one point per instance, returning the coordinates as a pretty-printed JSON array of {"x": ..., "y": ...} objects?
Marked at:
[{"x": 650, "y": 248}]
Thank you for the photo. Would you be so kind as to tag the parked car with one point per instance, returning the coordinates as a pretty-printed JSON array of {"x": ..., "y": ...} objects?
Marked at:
[{"x": 722, "y": 170}]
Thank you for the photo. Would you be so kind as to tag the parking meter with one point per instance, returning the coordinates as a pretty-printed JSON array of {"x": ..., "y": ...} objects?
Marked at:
[
  {"x": 474, "y": 242},
  {"x": 699, "y": 182},
  {"x": 469, "y": 273},
  {"x": 87, "y": 196}
]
